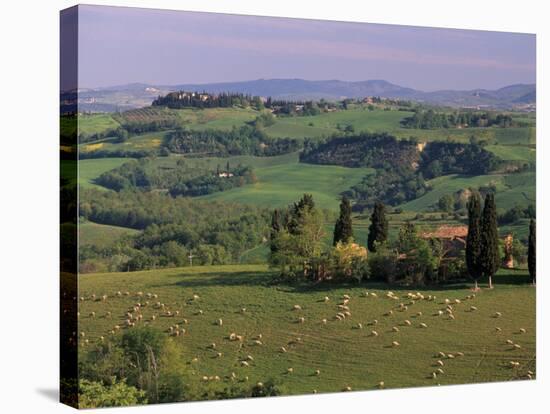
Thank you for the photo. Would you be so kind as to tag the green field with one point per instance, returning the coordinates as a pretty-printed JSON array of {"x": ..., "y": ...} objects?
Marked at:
[
  {"x": 345, "y": 355},
  {"x": 96, "y": 123},
  {"x": 281, "y": 185},
  {"x": 91, "y": 169},
  {"x": 101, "y": 235}
]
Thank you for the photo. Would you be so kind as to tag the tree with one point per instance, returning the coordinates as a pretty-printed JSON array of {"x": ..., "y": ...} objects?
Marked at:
[
  {"x": 446, "y": 203},
  {"x": 489, "y": 257},
  {"x": 343, "y": 229},
  {"x": 378, "y": 229},
  {"x": 532, "y": 251},
  {"x": 275, "y": 229},
  {"x": 473, "y": 240}
]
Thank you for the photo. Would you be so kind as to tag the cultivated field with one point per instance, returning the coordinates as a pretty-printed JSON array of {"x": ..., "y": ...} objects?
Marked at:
[{"x": 358, "y": 352}]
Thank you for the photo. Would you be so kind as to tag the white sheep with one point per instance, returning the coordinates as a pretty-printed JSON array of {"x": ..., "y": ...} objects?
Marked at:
[
  {"x": 395, "y": 329},
  {"x": 326, "y": 299},
  {"x": 283, "y": 349},
  {"x": 290, "y": 370},
  {"x": 219, "y": 322},
  {"x": 423, "y": 325},
  {"x": 395, "y": 344},
  {"x": 522, "y": 330},
  {"x": 407, "y": 322},
  {"x": 473, "y": 308},
  {"x": 301, "y": 319},
  {"x": 324, "y": 321}
]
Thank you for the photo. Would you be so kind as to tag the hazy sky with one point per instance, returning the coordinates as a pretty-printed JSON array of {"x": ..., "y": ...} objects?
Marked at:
[{"x": 124, "y": 45}]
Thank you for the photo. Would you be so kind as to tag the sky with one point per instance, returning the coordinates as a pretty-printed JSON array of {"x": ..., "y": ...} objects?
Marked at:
[{"x": 120, "y": 45}]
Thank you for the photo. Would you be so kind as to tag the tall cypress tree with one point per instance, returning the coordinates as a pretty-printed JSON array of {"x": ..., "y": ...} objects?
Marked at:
[
  {"x": 473, "y": 240},
  {"x": 275, "y": 229},
  {"x": 489, "y": 258},
  {"x": 532, "y": 251},
  {"x": 343, "y": 230},
  {"x": 378, "y": 229}
]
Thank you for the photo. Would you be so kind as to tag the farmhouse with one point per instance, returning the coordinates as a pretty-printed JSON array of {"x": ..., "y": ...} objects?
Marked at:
[{"x": 225, "y": 174}]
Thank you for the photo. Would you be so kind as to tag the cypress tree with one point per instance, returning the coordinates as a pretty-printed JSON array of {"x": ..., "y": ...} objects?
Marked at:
[
  {"x": 473, "y": 240},
  {"x": 378, "y": 229},
  {"x": 489, "y": 258},
  {"x": 343, "y": 230},
  {"x": 275, "y": 229},
  {"x": 532, "y": 251}
]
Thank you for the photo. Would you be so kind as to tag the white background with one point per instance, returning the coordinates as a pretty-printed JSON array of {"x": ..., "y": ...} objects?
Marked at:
[{"x": 29, "y": 203}]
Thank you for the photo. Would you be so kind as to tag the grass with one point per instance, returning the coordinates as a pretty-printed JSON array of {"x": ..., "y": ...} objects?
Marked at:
[
  {"x": 96, "y": 123},
  {"x": 93, "y": 168},
  {"x": 514, "y": 153},
  {"x": 450, "y": 184},
  {"x": 345, "y": 356},
  {"x": 101, "y": 235},
  {"x": 281, "y": 185}
]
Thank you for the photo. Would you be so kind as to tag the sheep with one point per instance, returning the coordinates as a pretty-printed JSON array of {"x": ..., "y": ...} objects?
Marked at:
[
  {"x": 232, "y": 336},
  {"x": 243, "y": 310},
  {"x": 346, "y": 297},
  {"x": 473, "y": 308},
  {"x": 283, "y": 349},
  {"x": 395, "y": 329},
  {"x": 359, "y": 325},
  {"x": 258, "y": 342},
  {"x": 317, "y": 372},
  {"x": 126, "y": 293},
  {"x": 347, "y": 313},
  {"x": 196, "y": 297},
  {"x": 155, "y": 296},
  {"x": 140, "y": 294},
  {"x": 249, "y": 358},
  {"x": 119, "y": 294},
  {"x": 259, "y": 336},
  {"x": 381, "y": 384},
  {"x": 514, "y": 364},
  {"x": 450, "y": 356},
  {"x": 108, "y": 314},
  {"x": 497, "y": 315},
  {"x": 389, "y": 313},
  {"x": 517, "y": 346},
  {"x": 219, "y": 322},
  {"x": 296, "y": 307},
  {"x": 348, "y": 388},
  {"x": 153, "y": 317},
  {"x": 92, "y": 314},
  {"x": 440, "y": 354},
  {"x": 395, "y": 344},
  {"x": 407, "y": 322},
  {"x": 374, "y": 322},
  {"x": 440, "y": 371},
  {"x": 423, "y": 325},
  {"x": 439, "y": 312},
  {"x": 522, "y": 330},
  {"x": 101, "y": 338},
  {"x": 314, "y": 391},
  {"x": 374, "y": 333},
  {"x": 498, "y": 329},
  {"x": 244, "y": 364},
  {"x": 324, "y": 321},
  {"x": 509, "y": 342},
  {"x": 199, "y": 312},
  {"x": 434, "y": 375},
  {"x": 219, "y": 355},
  {"x": 326, "y": 299},
  {"x": 458, "y": 301},
  {"x": 104, "y": 298},
  {"x": 418, "y": 313},
  {"x": 301, "y": 319},
  {"x": 451, "y": 317},
  {"x": 290, "y": 370},
  {"x": 82, "y": 334},
  {"x": 439, "y": 362},
  {"x": 374, "y": 295},
  {"x": 460, "y": 354},
  {"x": 212, "y": 345},
  {"x": 196, "y": 359}
]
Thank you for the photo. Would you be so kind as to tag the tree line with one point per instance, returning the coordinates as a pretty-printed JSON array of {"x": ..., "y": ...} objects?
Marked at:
[
  {"x": 430, "y": 119},
  {"x": 297, "y": 249}
]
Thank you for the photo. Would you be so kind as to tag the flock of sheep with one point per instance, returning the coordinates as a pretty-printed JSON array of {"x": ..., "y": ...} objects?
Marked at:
[{"x": 449, "y": 309}]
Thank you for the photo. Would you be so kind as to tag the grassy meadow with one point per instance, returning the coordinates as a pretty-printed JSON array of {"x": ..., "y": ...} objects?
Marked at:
[{"x": 345, "y": 353}]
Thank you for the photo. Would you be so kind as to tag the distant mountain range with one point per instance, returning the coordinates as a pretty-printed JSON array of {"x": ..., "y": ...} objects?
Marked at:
[{"x": 136, "y": 95}]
